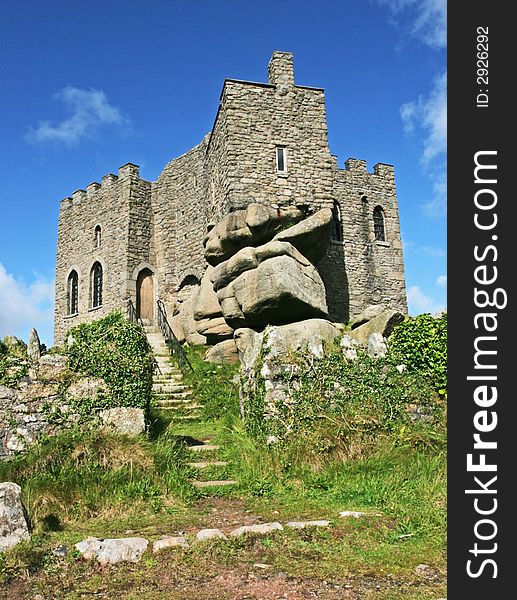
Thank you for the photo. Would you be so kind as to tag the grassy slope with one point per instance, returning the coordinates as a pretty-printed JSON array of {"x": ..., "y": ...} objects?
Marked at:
[{"x": 114, "y": 487}]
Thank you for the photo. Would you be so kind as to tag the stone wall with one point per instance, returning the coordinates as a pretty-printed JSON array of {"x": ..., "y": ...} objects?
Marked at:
[
  {"x": 141, "y": 249},
  {"x": 180, "y": 217},
  {"x": 120, "y": 206},
  {"x": 262, "y": 117},
  {"x": 39, "y": 404},
  {"x": 374, "y": 269}
]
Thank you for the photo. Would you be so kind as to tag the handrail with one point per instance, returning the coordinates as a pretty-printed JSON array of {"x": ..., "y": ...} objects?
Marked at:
[
  {"x": 175, "y": 348},
  {"x": 132, "y": 315}
]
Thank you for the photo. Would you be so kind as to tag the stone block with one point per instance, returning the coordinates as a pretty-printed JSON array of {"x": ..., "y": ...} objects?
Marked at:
[
  {"x": 113, "y": 551},
  {"x": 223, "y": 352},
  {"x": 13, "y": 525}
]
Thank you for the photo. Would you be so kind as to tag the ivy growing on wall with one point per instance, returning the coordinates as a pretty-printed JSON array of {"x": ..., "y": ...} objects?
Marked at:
[
  {"x": 117, "y": 351},
  {"x": 421, "y": 344},
  {"x": 13, "y": 362}
]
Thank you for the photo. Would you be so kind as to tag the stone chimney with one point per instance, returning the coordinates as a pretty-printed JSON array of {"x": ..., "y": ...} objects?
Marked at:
[{"x": 280, "y": 70}]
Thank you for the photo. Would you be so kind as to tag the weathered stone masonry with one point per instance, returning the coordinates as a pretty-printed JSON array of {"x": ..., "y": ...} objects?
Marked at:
[{"x": 160, "y": 226}]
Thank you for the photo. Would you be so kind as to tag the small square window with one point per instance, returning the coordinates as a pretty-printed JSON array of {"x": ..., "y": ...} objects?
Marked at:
[{"x": 281, "y": 159}]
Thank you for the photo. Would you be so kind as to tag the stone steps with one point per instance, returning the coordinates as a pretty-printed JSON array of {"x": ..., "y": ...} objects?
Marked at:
[
  {"x": 181, "y": 396},
  {"x": 214, "y": 483},
  {"x": 179, "y": 408},
  {"x": 170, "y": 394},
  {"x": 175, "y": 401},
  {"x": 171, "y": 388},
  {"x": 208, "y": 463},
  {"x": 183, "y": 418},
  {"x": 204, "y": 448},
  {"x": 173, "y": 397}
]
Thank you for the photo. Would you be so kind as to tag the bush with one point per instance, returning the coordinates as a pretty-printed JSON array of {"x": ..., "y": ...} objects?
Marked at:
[
  {"x": 117, "y": 351},
  {"x": 13, "y": 361},
  {"x": 333, "y": 405},
  {"x": 421, "y": 344}
]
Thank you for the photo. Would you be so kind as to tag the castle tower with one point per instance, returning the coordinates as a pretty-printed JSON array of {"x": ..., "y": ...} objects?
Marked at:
[{"x": 127, "y": 239}]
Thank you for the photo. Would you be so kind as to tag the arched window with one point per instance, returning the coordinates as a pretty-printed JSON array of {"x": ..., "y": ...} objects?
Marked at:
[
  {"x": 378, "y": 224},
  {"x": 336, "y": 233},
  {"x": 72, "y": 294},
  {"x": 96, "y": 285},
  {"x": 98, "y": 236}
]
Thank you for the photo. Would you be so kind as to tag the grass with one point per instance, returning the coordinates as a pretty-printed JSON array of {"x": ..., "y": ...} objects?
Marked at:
[
  {"x": 80, "y": 475},
  {"x": 81, "y": 484}
]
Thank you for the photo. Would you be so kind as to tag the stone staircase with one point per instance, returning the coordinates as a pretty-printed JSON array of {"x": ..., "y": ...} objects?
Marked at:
[
  {"x": 175, "y": 399},
  {"x": 207, "y": 452},
  {"x": 170, "y": 393}
]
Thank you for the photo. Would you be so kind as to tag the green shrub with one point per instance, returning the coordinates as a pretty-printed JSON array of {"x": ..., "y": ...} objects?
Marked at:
[
  {"x": 334, "y": 405},
  {"x": 421, "y": 344},
  {"x": 13, "y": 361},
  {"x": 117, "y": 351}
]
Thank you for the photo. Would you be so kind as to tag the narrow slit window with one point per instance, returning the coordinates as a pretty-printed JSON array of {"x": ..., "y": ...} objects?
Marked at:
[
  {"x": 378, "y": 224},
  {"x": 96, "y": 285},
  {"x": 281, "y": 159},
  {"x": 98, "y": 236},
  {"x": 73, "y": 293},
  {"x": 337, "y": 226}
]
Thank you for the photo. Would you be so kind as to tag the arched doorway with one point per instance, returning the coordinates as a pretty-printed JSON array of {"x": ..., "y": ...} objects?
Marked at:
[{"x": 145, "y": 296}]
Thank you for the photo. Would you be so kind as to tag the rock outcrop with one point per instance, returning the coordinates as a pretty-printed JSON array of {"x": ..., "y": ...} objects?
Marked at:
[
  {"x": 223, "y": 352},
  {"x": 188, "y": 324},
  {"x": 369, "y": 313},
  {"x": 34, "y": 346},
  {"x": 123, "y": 420},
  {"x": 15, "y": 346},
  {"x": 262, "y": 273},
  {"x": 13, "y": 525},
  {"x": 264, "y": 353},
  {"x": 271, "y": 284},
  {"x": 310, "y": 236},
  {"x": 383, "y": 323},
  {"x": 208, "y": 315},
  {"x": 250, "y": 227},
  {"x": 276, "y": 341}
]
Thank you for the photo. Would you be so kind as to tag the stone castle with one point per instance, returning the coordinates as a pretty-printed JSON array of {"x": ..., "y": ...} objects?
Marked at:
[{"x": 130, "y": 240}]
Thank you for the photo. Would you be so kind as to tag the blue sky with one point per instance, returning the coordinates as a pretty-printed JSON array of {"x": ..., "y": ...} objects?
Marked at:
[{"x": 88, "y": 86}]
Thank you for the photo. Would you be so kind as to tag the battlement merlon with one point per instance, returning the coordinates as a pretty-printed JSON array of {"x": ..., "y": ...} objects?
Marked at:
[
  {"x": 384, "y": 170},
  {"x": 358, "y": 167},
  {"x": 78, "y": 196},
  {"x": 129, "y": 170},
  {"x": 65, "y": 203},
  {"x": 128, "y": 173},
  {"x": 280, "y": 69},
  {"x": 91, "y": 188}
]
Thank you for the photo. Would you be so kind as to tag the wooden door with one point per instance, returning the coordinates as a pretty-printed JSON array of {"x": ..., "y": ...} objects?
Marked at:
[{"x": 145, "y": 296}]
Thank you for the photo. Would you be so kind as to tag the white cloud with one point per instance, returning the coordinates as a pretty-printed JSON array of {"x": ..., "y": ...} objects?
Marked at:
[
  {"x": 437, "y": 206},
  {"x": 89, "y": 109},
  {"x": 433, "y": 251},
  {"x": 441, "y": 281},
  {"x": 429, "y": 116},
  {"x": 419, "y": 303},
  {"x": 427, "y": 19},
  {"x": 23, "y": 306}
]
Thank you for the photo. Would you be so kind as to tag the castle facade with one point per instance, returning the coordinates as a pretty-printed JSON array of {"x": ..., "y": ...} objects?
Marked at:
[{"x": 127, "y": 239}]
